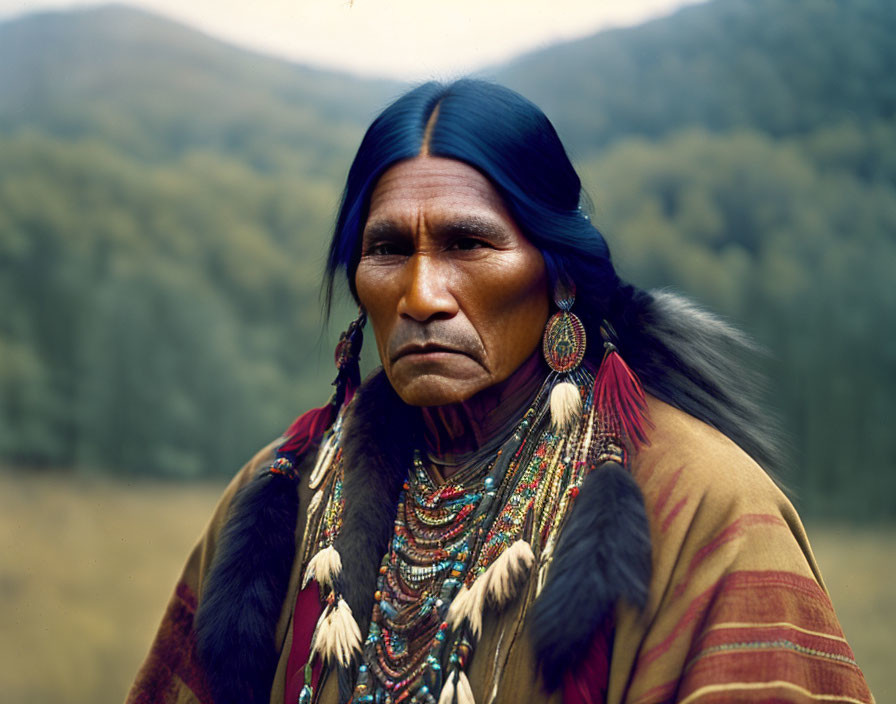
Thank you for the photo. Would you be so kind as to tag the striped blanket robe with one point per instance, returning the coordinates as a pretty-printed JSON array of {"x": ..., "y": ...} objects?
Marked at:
[{"x": 737, "y": 610}]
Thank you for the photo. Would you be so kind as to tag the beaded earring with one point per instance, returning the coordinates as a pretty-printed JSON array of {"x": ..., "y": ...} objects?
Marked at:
[{"x": 563, "y": 346}]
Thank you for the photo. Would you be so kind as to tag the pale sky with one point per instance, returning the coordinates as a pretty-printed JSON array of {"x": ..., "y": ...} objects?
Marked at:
[{"x": 407, "y": 39}]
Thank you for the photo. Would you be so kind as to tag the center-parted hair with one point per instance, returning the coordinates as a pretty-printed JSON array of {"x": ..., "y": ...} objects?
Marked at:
[{"x": 510, "y": 141}]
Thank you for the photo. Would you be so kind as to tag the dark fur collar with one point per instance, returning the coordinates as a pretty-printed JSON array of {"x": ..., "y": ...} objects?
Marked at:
[
  {"x": 380, "y": 434},
  {"x": 602, "y": 556},
  {"x": 244, "y": 591}
]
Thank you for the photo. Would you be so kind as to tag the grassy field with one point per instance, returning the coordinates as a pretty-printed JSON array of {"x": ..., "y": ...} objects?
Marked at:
[{"x": 87, "y": 566}]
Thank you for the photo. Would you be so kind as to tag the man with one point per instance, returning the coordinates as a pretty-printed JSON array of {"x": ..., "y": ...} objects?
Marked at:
[{"x": 501, "y": 514}]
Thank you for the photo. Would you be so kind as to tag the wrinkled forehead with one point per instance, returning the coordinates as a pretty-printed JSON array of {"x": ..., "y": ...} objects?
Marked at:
[{"x": 434, "y": 187}]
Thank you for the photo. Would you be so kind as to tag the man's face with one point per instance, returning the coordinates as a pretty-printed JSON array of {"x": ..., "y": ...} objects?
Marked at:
[{"x": 457, "y": 296}]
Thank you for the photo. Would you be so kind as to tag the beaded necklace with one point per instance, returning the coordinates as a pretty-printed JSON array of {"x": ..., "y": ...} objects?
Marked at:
[
  {"x": 418, "y": 578},
  {"x": 456, "y": 547}
]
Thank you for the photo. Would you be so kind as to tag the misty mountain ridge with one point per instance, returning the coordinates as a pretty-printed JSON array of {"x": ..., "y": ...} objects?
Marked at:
[
  {"x": 779, "y": 68},
  {"x": 157, "y": 87}
]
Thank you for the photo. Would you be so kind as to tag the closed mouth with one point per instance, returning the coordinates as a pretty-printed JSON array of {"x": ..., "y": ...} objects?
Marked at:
[{"x": 427, "y": 348}]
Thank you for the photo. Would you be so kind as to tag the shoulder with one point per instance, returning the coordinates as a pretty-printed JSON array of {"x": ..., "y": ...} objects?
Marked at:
[
  {"x": 244, "y": 475},
  {"x": 263, "y": 457},
  {"x": 734, "y": 585},
  {"x": 204, "y": 550},
  {"x": 688, "y": 460},
  {"x": 711, "y": 507}
]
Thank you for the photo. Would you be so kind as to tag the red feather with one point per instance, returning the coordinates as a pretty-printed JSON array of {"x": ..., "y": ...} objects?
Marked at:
[
  {"x": 588, "y": 683},
  {"x": 307, "y": 428},
  {"x": 619, "y": 397},
  {"x": 310, "y": 426}
]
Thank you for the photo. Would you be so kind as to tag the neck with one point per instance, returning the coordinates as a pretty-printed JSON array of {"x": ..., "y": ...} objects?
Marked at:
[{"x": 456, "y": 432}]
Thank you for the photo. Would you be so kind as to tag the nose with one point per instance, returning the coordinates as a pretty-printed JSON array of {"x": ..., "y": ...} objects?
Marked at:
[{"x": 426, "y": 293}]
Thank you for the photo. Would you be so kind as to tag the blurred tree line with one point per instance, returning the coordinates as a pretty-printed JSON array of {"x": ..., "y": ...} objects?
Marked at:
[
  {"x": 165, "y": 205},
  {"x": 164, "y": 317}
]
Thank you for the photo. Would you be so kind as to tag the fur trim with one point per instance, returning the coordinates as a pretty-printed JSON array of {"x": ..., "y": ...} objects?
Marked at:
[
  {"x": 603, "y": 555},
  {"x": 379, "y": 435},
  {"x": 695, "y": 361},
  {"x": 244, "y": 591}
]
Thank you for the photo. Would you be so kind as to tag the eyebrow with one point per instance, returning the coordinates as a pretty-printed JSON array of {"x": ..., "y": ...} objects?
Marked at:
[
  {"x": 380, "y": 229},
  {"x": 472, "y": 225}
]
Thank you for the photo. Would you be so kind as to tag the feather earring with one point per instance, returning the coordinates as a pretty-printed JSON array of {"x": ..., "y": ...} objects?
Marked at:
[
  {"x": 563, "y": 346},
  {"x": 347, "y": 356}
]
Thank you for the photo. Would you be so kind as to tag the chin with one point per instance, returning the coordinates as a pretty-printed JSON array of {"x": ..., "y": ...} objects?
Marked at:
[{"x": 431, "y": 390}]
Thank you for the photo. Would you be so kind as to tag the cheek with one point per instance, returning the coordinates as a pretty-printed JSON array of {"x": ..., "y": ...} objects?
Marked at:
[
  {"x": 517, "y": 301},
  {"x": 371, "y": 286}
]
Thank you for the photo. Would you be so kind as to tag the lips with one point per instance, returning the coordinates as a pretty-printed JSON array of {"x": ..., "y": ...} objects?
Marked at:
[{"x": 425, "y": 348}]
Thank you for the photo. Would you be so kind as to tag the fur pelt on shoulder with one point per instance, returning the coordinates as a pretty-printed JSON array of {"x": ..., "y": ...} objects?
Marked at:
[
  {"x": 695, "y": 361},
  {"x": 244, "y": 591}
]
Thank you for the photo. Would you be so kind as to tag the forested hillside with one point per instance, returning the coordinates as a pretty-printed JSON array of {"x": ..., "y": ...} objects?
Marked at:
[
  {"x": 165, "y": 200},
  {"x": 781, "y": 67}
]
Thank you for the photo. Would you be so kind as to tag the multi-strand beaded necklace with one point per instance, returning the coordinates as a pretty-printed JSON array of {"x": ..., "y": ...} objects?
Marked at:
[
  {"x": 434, "y": 532},
  {"x": 456, "y": 546}
]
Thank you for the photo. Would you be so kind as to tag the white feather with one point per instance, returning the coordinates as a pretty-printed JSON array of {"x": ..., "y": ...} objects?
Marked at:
[
  {"x": 337, "y": 635},
  {"x": 320, "y": 640},
  {"x": 503, "y": 575},
  {"x": 347, "y": 632},
  {"x": 324, "y": 457},
  {"x": 314, "y": 504},
  {"x": 464, "y": 690},
  {"x": 447, "y": 695},
  {"x": 544, "y": 563},
  {"x": 566, "y": 405},
  {"x": 323, "y": 568},
  {"x": 468, "y": 605}
]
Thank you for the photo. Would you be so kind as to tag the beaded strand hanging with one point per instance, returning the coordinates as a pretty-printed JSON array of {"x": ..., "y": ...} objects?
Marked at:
[{"x": 457, "y": 548}]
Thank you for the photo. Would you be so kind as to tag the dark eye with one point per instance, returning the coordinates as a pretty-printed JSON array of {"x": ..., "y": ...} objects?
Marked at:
[
  {"x": 466, "y": 244},
  {"x": 384, "y": 249}
]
